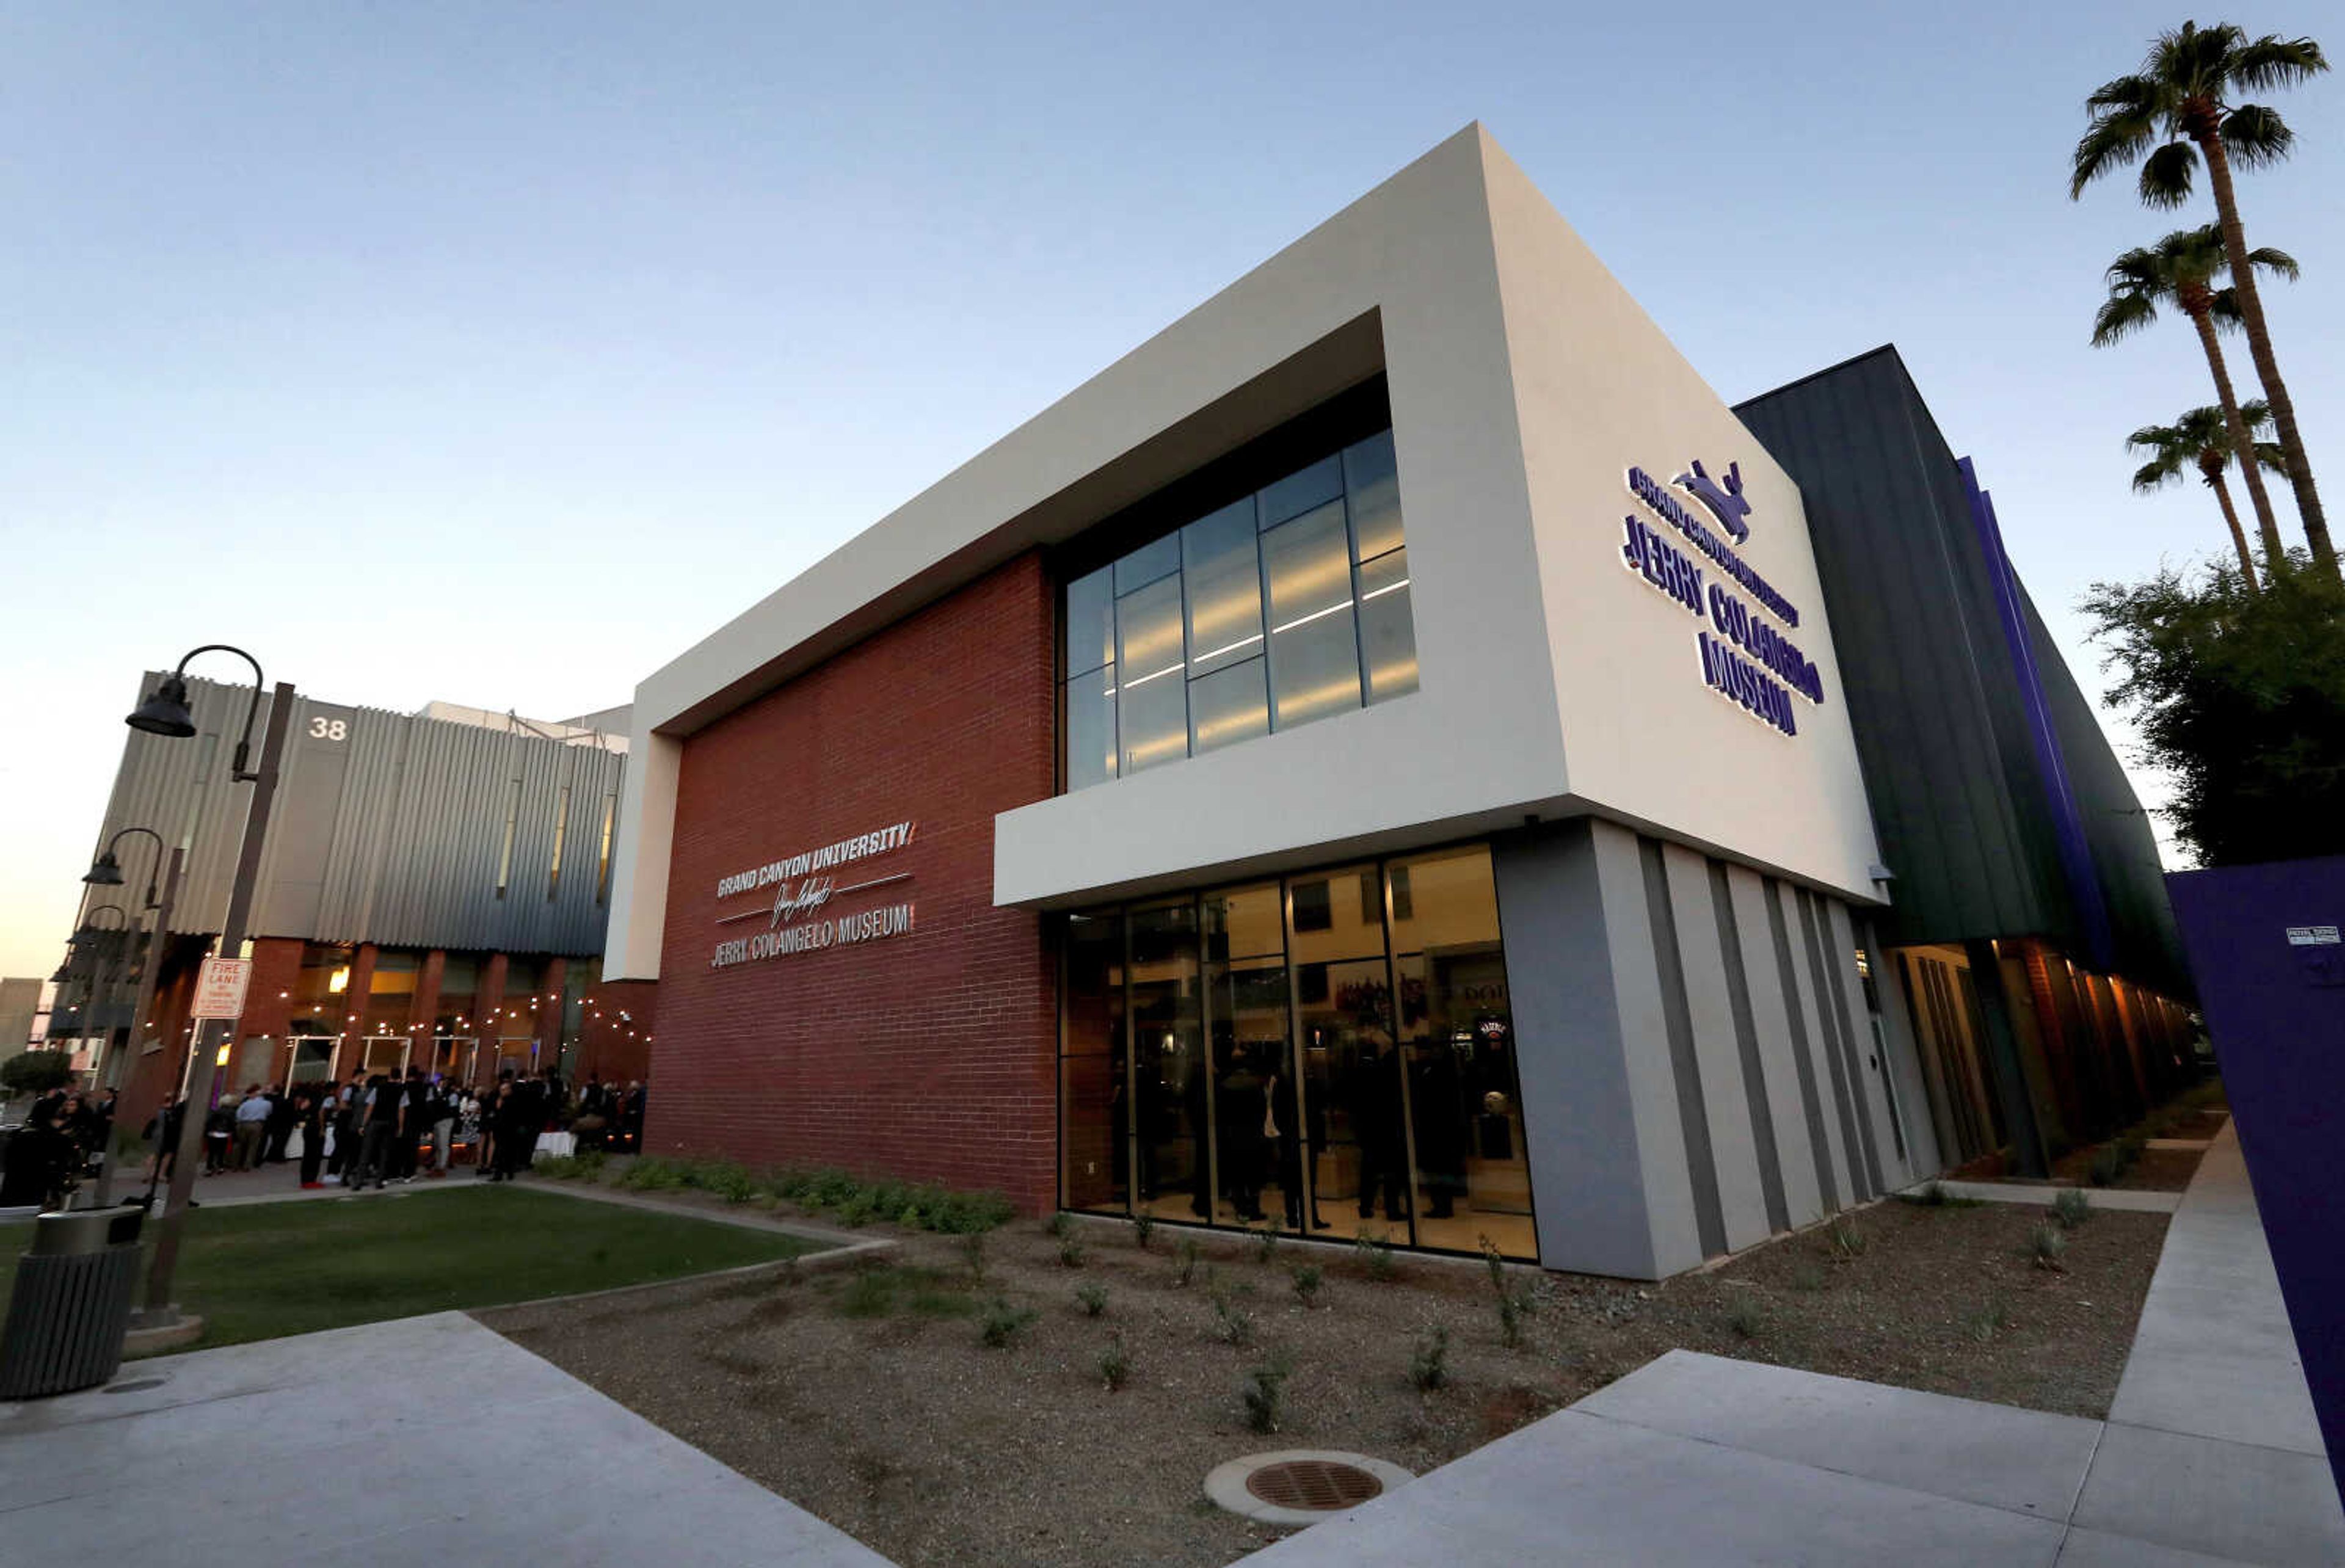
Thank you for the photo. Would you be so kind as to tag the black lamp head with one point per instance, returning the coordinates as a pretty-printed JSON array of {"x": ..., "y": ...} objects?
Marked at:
[
  {"x": 165, "y": 711},
  {"x": 62, "y": 975},
  {"x": 105, "y": 871}
]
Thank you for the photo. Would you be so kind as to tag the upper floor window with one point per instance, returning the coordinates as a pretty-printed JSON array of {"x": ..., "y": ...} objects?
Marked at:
[{"x": 1289, "y": 605}]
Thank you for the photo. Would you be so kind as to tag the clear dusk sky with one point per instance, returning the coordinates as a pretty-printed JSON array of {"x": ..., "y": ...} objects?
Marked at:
[{"x": 496, "y": 352}]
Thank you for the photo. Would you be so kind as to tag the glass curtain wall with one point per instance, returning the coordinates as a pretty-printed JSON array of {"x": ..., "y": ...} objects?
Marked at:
[
  {"x": 1332, "y": 1054},
  {"x": 1289, "y": 605}
]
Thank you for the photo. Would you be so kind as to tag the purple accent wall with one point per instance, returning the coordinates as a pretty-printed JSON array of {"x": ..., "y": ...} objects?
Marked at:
[
  {"x": 2276, "y": 1008},
  {"x": 2067, "y": 821}
]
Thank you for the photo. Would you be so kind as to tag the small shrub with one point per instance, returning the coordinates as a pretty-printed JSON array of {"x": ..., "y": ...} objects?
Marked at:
[
  {"x": 2072, "y": 1207},
  {"x": 1807, "y": 1274},
  {"x": 1071, "y": 1252},
  {"x": 1000, "y": 1324},
  {"x": 1114, "y": 1362},
  {"x": 1428, "y": 1364},
  {"x": 2105, "y": 1168},
  {"x": 1143, "y": 1226},
  {"x": 1265, "y": 1395},
  {"x": 1092, "y": 1298},
  {"x": 1234, "y": 1325},
  {"x": 1846, "y": 1239},
  {"x": 2048, "y": 1242},
  {"x": 1988, "y": 1322},
  {"x": 558, "y": 1168},
  {"x": 972, "y": 1253},
  {"x": 869, "y": 1293},
  {"x": 1932, "y": 1195},
  {"x": 1743, "y": 1318},
  {"x": 1265, "y": 1243},
  {"x": 1307, "y": 1280},
  {"x": 858, "y": 1211},
  {"x": 1514, "y": 1304},
  {"x": 1376, "y": 1256},
  {"x": 1185, "y": 1261},
  {"x": 1059, "y": 1224},
  {"x": 728, "y": 1180}
]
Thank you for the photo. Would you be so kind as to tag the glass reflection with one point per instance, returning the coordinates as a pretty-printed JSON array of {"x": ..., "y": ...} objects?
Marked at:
[
  {"x": 1173, "y": 1092},
  {"x": 1271, "y": 1074},
  {"x": 1094, "y": 1141},
  {"x": 1307, "y": 576},
  {"x": 1471, "y": 1172}
]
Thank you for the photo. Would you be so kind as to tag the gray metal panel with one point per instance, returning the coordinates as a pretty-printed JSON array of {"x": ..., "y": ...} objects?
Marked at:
[
  {"x": 1927, "y": 670},
  {"x": 388, "y": 827},
  {"x": 2117, "y": 831}
]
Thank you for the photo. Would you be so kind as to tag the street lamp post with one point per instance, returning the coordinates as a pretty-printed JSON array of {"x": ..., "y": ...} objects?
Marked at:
[
  {"x": 89, "y": 929},
  {"x": 149, "y": 972},
  {"x": 165, "y": 713}
]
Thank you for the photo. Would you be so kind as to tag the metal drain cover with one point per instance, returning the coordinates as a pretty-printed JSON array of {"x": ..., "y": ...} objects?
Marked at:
[
  {"x": 1300, "y": 1486},
  {"x": 1322, "y": 1485}
]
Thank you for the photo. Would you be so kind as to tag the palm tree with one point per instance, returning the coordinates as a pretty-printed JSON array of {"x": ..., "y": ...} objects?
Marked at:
[
  {"x": 2200, "y": 440},
  {"x": 2180, "y": 270},
  {"x": 2178, "y": 108}
]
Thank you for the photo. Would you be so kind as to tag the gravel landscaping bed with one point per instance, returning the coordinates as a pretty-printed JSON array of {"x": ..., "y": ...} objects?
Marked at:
[{"x": 870, "y": 1397}]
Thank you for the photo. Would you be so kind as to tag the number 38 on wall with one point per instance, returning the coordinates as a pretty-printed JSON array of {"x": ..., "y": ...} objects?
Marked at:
[{"x": 324, "y": 729}]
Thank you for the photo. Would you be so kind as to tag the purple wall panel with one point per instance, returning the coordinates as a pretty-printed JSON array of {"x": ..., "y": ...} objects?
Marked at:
[{"x": 2263, "y": 945}]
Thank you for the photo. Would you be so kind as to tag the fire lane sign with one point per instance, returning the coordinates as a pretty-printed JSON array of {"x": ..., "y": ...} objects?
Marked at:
[{"x": 220, "y": 988}]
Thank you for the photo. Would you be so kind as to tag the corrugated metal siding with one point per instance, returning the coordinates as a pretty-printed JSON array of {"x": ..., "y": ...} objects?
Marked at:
[
  {"x": 1928, "y": 676},
  {"x": 416, "y": 808}
]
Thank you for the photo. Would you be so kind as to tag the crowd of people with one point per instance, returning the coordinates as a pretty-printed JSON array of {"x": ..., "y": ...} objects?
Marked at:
[
  {"x": 382, "y": 1128},
  {"x": 64, "y": 1130}
]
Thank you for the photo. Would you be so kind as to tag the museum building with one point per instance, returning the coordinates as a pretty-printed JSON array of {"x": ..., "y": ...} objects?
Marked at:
[{"x": 1374, "y": 760}]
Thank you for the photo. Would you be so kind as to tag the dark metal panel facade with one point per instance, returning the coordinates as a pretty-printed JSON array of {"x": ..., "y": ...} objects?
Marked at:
[
  {"x": 389, "y": 828},
  {"x": 1933, "y": 692}
]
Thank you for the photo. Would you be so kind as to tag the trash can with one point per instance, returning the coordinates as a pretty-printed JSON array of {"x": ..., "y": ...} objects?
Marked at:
[{"x": 72, "y": 1302}]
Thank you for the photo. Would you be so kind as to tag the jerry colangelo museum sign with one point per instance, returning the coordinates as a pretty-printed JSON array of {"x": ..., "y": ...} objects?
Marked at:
[{"x": 803, "y": 886}]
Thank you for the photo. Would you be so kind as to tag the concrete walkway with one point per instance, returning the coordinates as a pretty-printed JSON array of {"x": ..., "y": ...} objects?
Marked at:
[
  {"x": 420, "y": 1440},
  {"x": 2209, "y": 1457},
  {"x": 2044, "y": 1193}
]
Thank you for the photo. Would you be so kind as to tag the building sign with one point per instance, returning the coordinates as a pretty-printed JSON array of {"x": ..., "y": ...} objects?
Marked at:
[
  {"x": 1746, "y": 661},
  {"x": 803, "y": 886},
  {"x": 219, "y": 988},
  {"x": 2312, "y": 936}
]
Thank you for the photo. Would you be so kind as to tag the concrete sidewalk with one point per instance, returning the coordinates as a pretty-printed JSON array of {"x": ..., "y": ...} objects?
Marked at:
[
  {"x": 424, "y": 1440},
  {"x": 2209, "y": 1457}
]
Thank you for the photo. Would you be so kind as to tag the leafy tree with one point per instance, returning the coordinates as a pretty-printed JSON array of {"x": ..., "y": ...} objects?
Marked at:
[
  {"x": 2180, "y": 270},
  {"x": 2180, "y": 108},
  {"x": 35, "y": 1072},
  {"x": 2242, "y": 697},
  {"x": 2198, "y": 440}
]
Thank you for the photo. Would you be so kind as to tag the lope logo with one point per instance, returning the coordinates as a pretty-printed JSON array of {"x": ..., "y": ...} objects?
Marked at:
[{"x": 1727, "y": 505}]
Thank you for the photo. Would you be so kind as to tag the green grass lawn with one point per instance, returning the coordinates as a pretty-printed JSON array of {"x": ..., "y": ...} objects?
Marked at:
[{"x": 258, "y": 1271}]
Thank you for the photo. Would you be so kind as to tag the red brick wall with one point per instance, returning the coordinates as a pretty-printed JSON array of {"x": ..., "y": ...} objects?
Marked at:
[
  {"x": 614, "y": 1030},
  {"x": 928, "y": 1055}
]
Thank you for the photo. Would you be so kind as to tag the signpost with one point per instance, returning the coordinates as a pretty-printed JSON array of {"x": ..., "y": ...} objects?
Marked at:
[{"x": 220, "y": 986}]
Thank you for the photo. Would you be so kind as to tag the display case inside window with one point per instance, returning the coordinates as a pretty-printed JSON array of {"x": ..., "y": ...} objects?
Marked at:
[{"x": 1289, "y": 605}]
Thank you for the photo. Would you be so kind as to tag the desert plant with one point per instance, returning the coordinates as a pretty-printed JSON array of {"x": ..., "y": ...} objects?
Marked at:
[
  {"x": 1092, "y": 1298},
  {"x": 1428, "y": 1364},
  {"x": 1988, "y": 1321},
  {"x": 1264, "y": 1393},
  {"x": 1807, "y": 1274},
  {"x": 972, "y": 1253},
  {"x": 1000, "y": 1324},
  {"x": 2105, "y": 1168},
  {"x": 1265, "y": 1243},
  {"x": 1846, "y": 1239},
  {"x": 2047, "y": 1243},
  {"x": 728, "y": 1180},
  {"x": 1376, "y": 1256},
  {"x": 1143, "y": 1226},
  {"x": 1185, "y": 1261},
  {"x": 1307, "y": 1280},
  {"x": 1071, "y": 1252},
  {"x": 1115, "y": 1361},
  {"x": 1060, "y": 1223},
  {"x": 1743, "y": 1318},
  {"x": 1515, "y": 1303},
  {"x": 1232, "y": 1324},
  {"x": 2072, "y": 1207}
]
